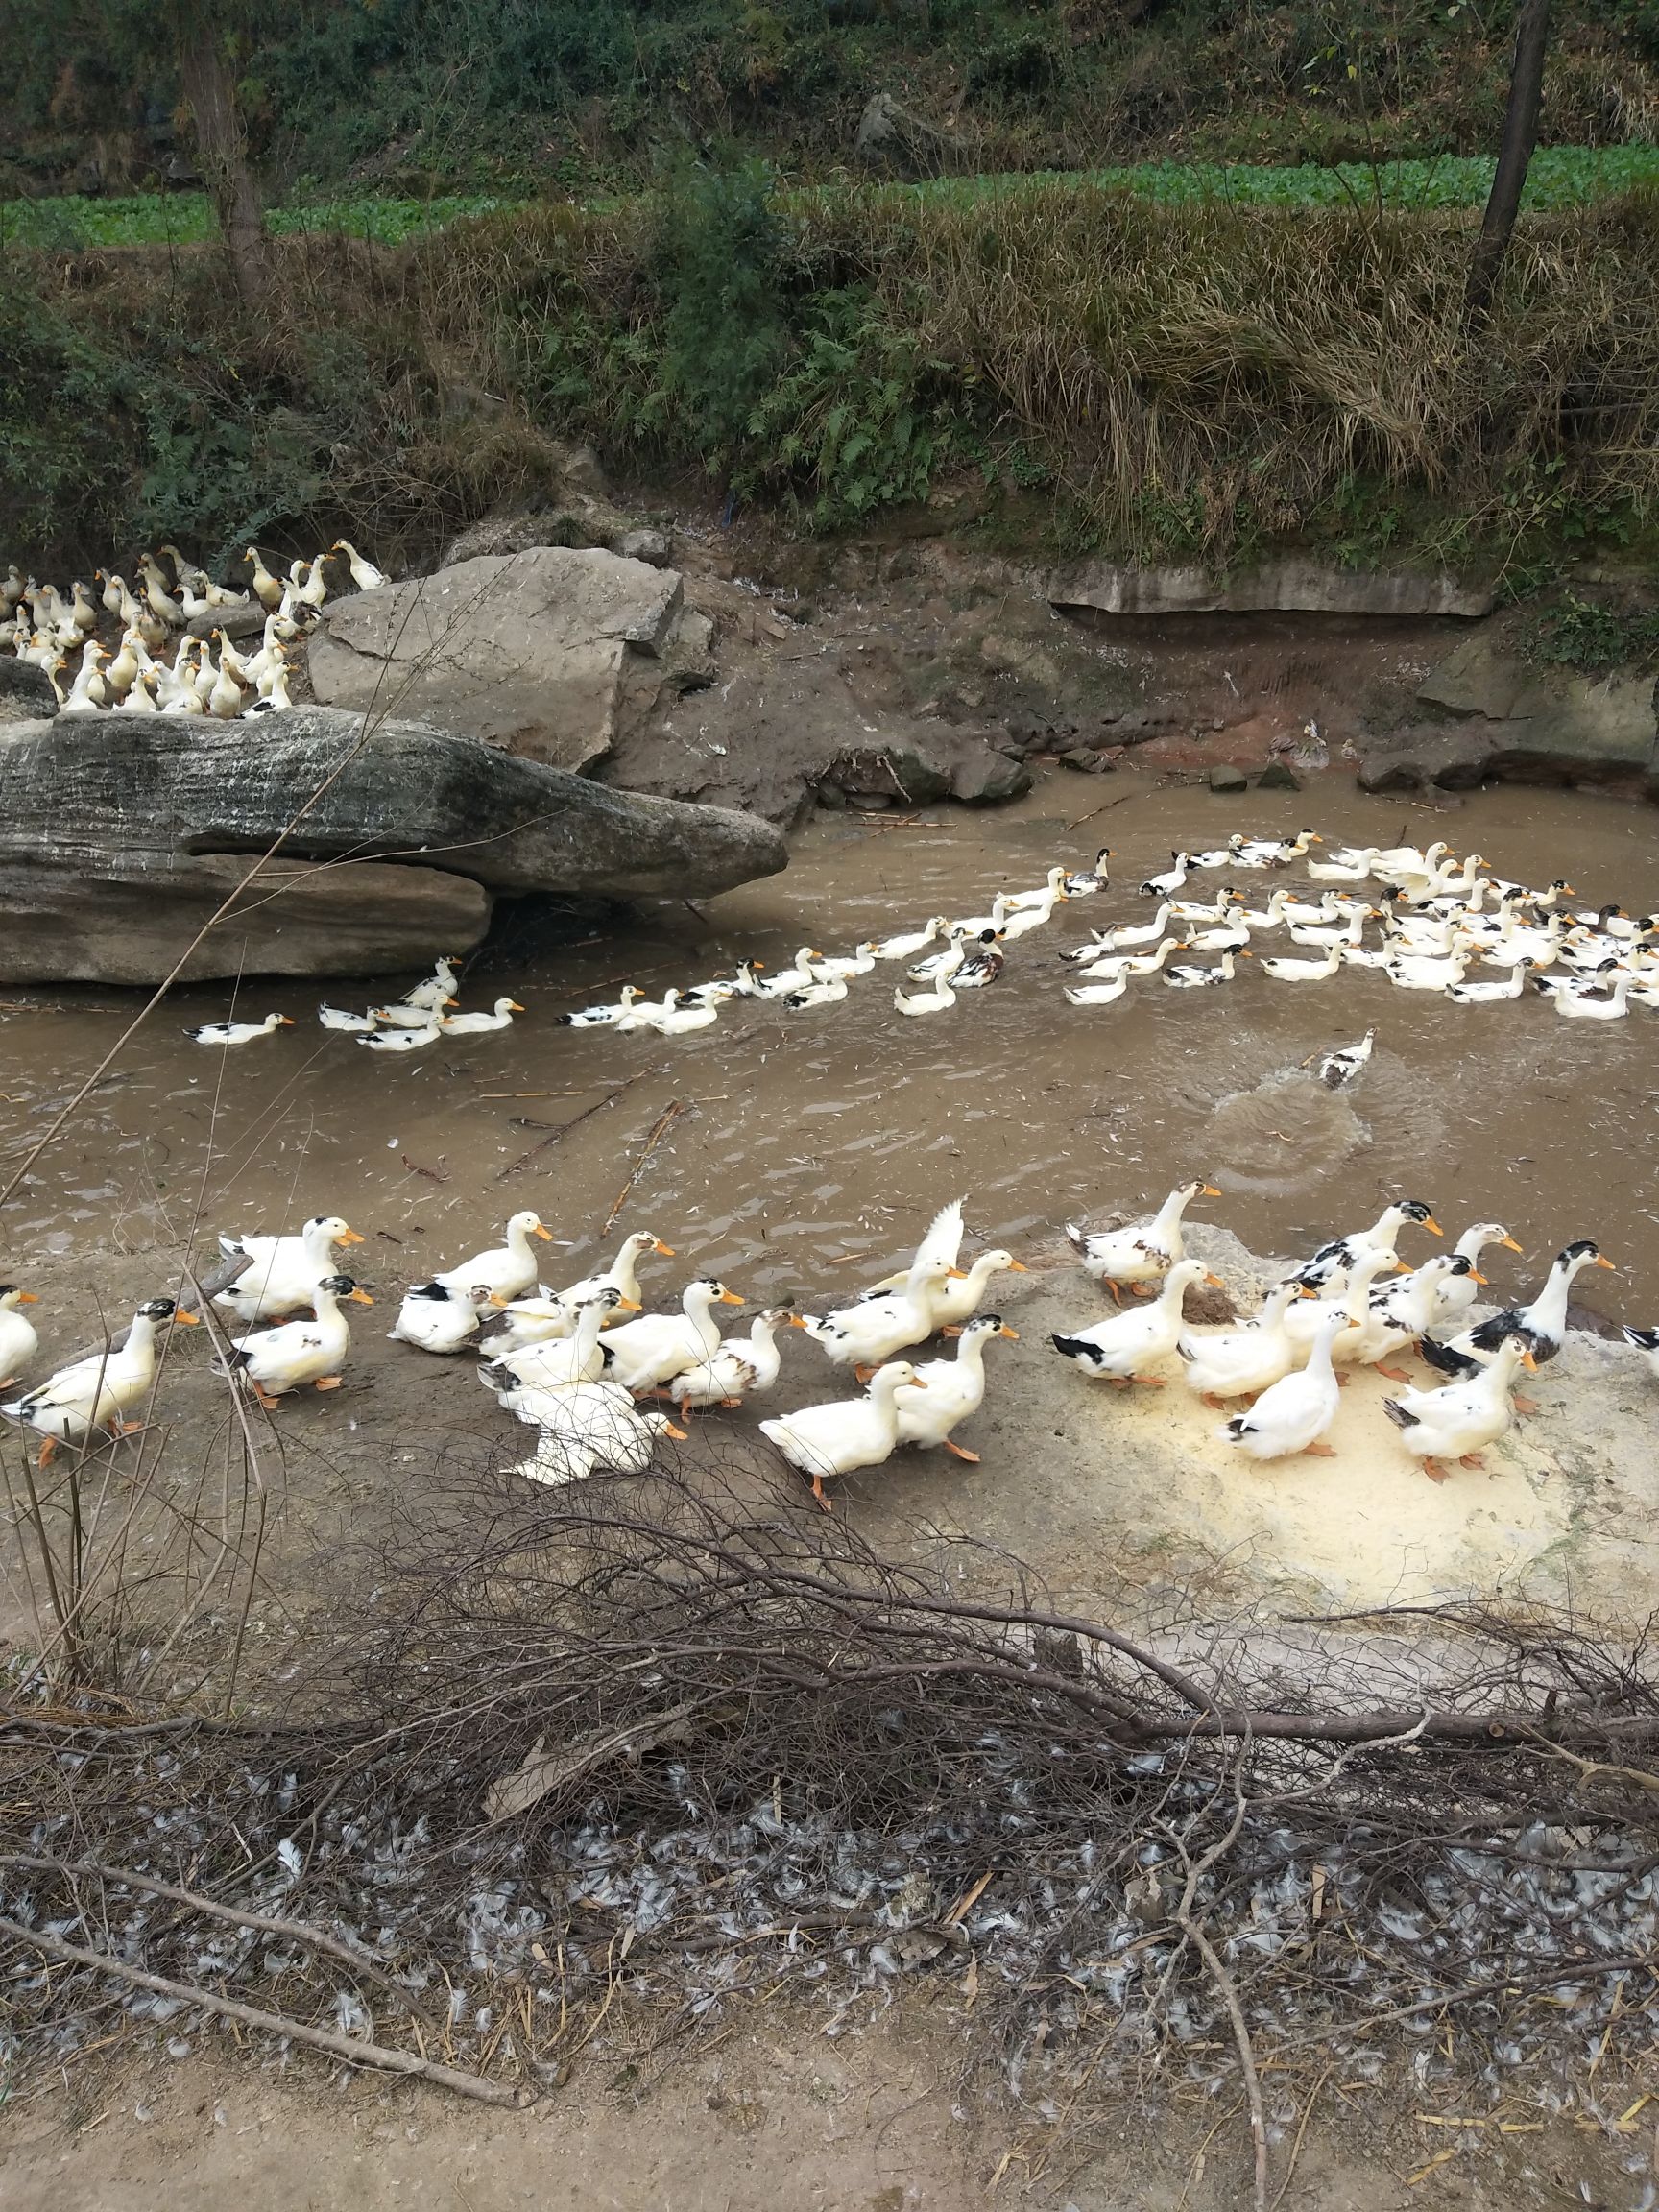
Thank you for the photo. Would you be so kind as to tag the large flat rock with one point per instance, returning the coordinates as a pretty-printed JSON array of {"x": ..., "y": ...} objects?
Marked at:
[
  {"x": 1289, "y": 587},
  {"x": 527, "y": 651},
  {"x": 1547, "y": 724},
  {"x": 100, "y": 924},
  {"x": 93, "y": 802}
]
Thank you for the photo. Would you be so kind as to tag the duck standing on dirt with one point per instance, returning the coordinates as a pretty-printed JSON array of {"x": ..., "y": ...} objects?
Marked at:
[
  {"x": 1146, "y": 1250},
  {"x": 1458, "y": 1421},
  {"x": 280, "y": 1360}
]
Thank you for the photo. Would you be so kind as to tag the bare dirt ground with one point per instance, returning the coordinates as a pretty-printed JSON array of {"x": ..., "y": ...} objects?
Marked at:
[{"x": 770, "y": 2114}]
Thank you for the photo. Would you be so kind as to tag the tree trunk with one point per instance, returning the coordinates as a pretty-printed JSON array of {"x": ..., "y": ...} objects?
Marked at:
[
  {"x": 222, "y": 150},
  {"x": 1514, "y": 154}
]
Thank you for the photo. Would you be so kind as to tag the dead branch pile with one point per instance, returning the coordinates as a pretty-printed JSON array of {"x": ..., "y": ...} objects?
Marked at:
[{"x": 652, "y": 1736}]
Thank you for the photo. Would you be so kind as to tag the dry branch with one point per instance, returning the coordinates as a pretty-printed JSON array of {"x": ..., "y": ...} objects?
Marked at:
[{"x": 357, "y": 2051}]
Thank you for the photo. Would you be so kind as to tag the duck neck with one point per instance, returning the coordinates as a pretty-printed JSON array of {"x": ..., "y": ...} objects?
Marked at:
[
  {"x": 1278, "y": 1305},
  {"x": 1168, "y": 1216},
  {"x": 1548, "y": 1310},
  {"x": 971, "y": 1351},
  {"x": 1319, "y": 1358},
  {"x": 883, "y": 1395},
  {"x": 140, "y": 1349},
  {"x": 699, "y": 1305}
]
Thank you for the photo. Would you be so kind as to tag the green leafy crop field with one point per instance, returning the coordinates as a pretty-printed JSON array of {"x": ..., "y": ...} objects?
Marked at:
[{"x": 1560, "y": 177}]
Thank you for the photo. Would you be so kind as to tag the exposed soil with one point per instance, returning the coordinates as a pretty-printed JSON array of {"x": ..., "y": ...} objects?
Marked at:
[
  {"x": 935, "y": 640},
  {"x": 813, "y": 1149},
  {"x": 773, "y": 2114}
]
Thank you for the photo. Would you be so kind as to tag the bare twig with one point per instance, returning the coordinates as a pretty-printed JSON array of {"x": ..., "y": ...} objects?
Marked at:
[
  {"x": 659, "y": 1129},
  {"x": 266, "y": 1923},
  {"x": 357, "y": 2051},
  {"x": 564, "y": 1128}
]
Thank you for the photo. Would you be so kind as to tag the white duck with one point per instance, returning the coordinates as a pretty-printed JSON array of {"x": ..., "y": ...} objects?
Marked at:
[
  {"x": 1340, "y": 1067},
  {"x": 942, "y": 1241},
  {"x": 1332, "y": 1259},
  {"x": 99, "y": 1392},
  {"x": 1029, "y": 911},
  {"x": 1274, "y": 851},
  {"x": 280, "y": 1360},
  {"x": 349, "y": 1025},
  {"x": 541, "y": 1319},
  {"x": 843, "y": 967},
  {"x": 1097, "y": 994},
  {"x": 1182, "y": 978},
  {"x": 1466, "y": 993},
  {"x": 1293, "y": 1414},
  {"x": 1578, "y": 1008},
  {"x": 283, "y": 1270},
  {"x": 1123, "y": 1344},
  {"x": 649, "y": 1351},
  {"x": 1118, "y": 966},
  {"x": 590, "y": 1424},
  {"x": 1458, "y": 1421},
  {"x": 1171, "y": 881},
  {"x": 479, "y": 1024},
  {"x": 18, "y": 1341},
  {"x": 1457, "y": 1293},
  {"x": 862, "y": 1336},
  {"x": 958, "y": 1298},
  {"x": 1304, "y": 970},
  {"x": 239, "y": 1032},
  {"x": 669, "y": 1019},
  {"x": 743, "y": 1368},
  {"x": 1105, "y": 942},
  {"x": 802, "y": 971},
  {"x": 1302, "y": 1323},
  {"x": 364, "y": 573},
  {"x": 1230, "y": 937},
  {"x": 403, "y": 1039},
  {"x": 846, "y": 1434},
  {"x": 939, "y": 996},
  {"x": 434, "y": 1318},
  {"x": 828, "y": 993},
  {"x": 1407, "y": 973},
  {"x": 507, "y": 1271},
  {"x": 1240, "y": 1362},
  {"x": 1401, "y": 1315},
  {"x": 955, "y": 1389},
  {"x": 996, "y": 921},
  {"x": 582, "y": 1356},
  {"x": 1353, "y": 864},
  {"x": 604, "y": 1017},
  {"x": 1143, "y": 1251},
  {"x": 907, "y": 946}
]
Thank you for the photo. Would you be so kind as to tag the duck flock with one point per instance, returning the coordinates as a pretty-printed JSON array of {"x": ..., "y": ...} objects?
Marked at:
[
  {"x": 156, "y": 666},
  {"x": 1426, "y": 922},
  {"x": 578, "y": 1364}
]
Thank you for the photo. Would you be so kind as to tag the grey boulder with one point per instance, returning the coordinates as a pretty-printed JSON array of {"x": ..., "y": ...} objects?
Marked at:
[
  {"x": 121, "y": 835},
  {"x": 537, "y": 652}
]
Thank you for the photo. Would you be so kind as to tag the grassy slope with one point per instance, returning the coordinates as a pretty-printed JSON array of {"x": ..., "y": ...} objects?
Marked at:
[{"x": 1194, "y": 380}]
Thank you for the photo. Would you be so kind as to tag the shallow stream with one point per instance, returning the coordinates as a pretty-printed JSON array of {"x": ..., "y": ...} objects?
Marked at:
[{"x": 807, "y": 1141}]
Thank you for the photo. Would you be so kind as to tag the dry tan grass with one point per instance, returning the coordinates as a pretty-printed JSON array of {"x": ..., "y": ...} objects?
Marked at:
[{"x": 1240, "y": 369}]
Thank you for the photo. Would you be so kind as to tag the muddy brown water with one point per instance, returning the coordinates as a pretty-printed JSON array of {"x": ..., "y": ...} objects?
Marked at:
[{"x": 814, "y": 1146}]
